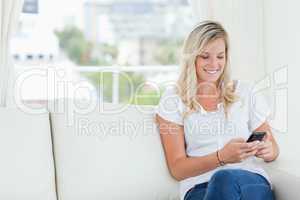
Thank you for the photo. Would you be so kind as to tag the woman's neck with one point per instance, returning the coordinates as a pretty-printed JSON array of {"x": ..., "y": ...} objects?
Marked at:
[{"x": 207, "y": 89}]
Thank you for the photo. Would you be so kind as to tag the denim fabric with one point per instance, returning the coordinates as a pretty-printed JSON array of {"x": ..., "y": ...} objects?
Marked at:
[{"x": 232, "y": 184}]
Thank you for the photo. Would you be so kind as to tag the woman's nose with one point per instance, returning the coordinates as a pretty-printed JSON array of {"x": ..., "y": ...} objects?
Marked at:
[{"x": 214, "y": 62}]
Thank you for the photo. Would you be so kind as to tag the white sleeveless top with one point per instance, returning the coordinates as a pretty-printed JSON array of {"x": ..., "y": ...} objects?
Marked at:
[{"x": 206, "y": 132}]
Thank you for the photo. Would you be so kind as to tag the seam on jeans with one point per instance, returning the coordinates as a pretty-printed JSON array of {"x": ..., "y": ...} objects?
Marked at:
[
  {"x": 188, "y": 193},
  {"x": 261, "y": 185},
  {"x": 237, "y": 181}
]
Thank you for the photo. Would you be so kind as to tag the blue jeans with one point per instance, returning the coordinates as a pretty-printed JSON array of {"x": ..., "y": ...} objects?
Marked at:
[{"x": 232, "y": 184}]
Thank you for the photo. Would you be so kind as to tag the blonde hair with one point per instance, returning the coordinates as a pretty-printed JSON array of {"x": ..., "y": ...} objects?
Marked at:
[{"x": 201, "y": 35}]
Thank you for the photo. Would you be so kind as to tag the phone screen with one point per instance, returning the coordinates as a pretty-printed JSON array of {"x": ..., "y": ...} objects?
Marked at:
[{"x": 256, "y": 136}]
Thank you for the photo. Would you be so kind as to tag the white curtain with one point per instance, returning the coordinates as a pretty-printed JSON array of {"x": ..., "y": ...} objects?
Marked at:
[
  {"x": 9, "y": 13},
  {"x": 245, "y": 22}
]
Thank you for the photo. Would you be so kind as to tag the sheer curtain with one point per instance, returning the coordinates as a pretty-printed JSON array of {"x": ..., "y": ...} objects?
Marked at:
[{"x": 9, "y": 12}]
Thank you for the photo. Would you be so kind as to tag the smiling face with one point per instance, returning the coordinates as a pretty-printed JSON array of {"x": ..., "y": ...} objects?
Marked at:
[{"x": 211, "y": 62}]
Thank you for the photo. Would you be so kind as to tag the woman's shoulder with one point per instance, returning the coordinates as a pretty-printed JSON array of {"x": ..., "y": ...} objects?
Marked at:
[
  {"x": 170, "y": 106},
  {"x": 170, "y": 96}
]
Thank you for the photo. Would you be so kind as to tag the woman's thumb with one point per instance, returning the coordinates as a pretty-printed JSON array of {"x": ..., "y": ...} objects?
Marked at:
[{"x": 239, "y": 139}]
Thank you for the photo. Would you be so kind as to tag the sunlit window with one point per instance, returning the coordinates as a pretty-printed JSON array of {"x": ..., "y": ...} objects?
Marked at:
[{"x": 124, "y": 50}]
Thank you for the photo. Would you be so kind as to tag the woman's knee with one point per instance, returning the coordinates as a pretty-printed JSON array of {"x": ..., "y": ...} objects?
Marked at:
[
  {"x": 223, "y": 185},
  {"x": 224, "y": 176}
]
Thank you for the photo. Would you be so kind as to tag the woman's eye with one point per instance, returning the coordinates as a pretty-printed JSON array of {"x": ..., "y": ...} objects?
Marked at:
[
  {"x": 220, "y": 57},
  {"x": 204, "y": 57}
]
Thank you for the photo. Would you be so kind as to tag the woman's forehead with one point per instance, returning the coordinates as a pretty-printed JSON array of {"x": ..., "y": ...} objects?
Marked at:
[{"x": 216, "y": 46}]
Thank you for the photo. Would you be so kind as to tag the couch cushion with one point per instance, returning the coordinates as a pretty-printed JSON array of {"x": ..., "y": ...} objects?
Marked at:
[
  {"x": 286, "y": 184},
  {"x": 26, "y": 169},
  {"x": 104, "y": 155},
  {"x": 285, "y": 176}
]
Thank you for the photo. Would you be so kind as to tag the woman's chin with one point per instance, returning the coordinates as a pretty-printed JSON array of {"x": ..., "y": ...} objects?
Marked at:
[{"x": 210, "y": 79}]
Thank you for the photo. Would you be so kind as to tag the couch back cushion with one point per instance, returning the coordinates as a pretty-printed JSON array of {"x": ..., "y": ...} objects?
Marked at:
[
  {"x": 26, "y": 169},
  {"x": 110, "y": 153}
]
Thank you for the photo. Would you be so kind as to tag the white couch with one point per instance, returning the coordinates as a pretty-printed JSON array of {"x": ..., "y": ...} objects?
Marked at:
[{"x": 70, "y": 154}]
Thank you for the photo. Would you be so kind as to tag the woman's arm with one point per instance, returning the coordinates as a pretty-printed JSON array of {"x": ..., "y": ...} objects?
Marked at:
[
  {"x": 181, "y": 166},
  {"x": 269, "y": 149}
]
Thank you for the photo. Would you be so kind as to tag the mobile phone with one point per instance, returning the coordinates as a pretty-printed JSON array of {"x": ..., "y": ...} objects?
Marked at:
[{"x": 256, "y": 136}]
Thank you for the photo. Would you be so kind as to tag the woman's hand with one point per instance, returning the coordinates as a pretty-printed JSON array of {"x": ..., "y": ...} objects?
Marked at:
[
  {"x": 266, "y": 149},
  {"x": 237, "y": 150}
]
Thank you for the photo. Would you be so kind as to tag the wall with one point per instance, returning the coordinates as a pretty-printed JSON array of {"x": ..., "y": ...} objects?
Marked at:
[
  {"x": 265, "y": 41},
  {"x": 282, "y": 62},
  {"x": 243, "y": 21}
]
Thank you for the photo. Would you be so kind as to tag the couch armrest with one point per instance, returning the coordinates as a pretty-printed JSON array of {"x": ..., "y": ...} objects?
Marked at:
[{"x": 285, "y": 179}]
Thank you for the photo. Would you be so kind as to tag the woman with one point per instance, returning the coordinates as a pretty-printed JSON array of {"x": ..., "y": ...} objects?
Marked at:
[{"x": 205, "y": 120}]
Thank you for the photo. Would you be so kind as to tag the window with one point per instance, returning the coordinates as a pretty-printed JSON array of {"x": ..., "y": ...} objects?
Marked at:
[{"x": 126, "y": 50}]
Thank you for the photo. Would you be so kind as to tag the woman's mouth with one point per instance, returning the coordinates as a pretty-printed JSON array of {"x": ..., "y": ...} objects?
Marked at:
[{"x": 211, "y": 71}]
